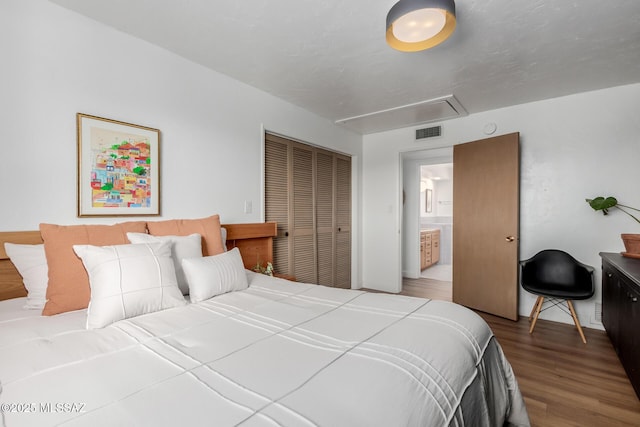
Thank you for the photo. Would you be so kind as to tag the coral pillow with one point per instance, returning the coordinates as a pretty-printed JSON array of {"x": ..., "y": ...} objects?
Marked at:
[
  {"x": 208, "y": 228},
  {"x": 68, "y": 287}
]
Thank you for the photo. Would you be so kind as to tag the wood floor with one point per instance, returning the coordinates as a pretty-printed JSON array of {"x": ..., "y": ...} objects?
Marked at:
[{"x": 564, "y": 382}]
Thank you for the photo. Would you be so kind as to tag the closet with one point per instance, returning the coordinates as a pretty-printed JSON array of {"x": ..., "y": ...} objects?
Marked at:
[{"x": 308, "y": 194}]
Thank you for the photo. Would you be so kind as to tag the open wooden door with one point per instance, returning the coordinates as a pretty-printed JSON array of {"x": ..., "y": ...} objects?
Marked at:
[{"x": 486, "y": 183}]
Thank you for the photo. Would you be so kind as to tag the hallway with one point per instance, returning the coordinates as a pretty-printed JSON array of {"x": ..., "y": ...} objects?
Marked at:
[
  {"x": 426, "y": 288},
  {"x": 440, "y": 272}
]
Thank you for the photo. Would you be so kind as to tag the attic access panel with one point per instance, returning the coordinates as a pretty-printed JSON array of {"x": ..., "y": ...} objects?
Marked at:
[{"x": 432, "y": 110}]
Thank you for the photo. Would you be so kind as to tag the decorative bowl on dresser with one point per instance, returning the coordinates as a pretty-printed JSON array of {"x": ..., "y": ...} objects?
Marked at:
[{"x": 621, "y": 310}]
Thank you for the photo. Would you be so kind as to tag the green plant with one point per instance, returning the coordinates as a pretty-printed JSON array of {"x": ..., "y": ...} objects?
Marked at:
[
  {"x": 268, "y": 269},
  {"x": 604, "y": 204}
]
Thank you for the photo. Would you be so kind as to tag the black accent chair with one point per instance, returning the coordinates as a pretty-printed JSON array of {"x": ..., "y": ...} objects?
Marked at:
[{"x": 556, "y": 275}]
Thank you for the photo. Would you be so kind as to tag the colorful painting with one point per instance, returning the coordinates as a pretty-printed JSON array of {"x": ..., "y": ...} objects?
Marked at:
[{"x": 118, "y": 171}]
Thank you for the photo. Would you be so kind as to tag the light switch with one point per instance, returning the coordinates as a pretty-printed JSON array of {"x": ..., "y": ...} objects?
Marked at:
[{"x": 248, "y": 206}]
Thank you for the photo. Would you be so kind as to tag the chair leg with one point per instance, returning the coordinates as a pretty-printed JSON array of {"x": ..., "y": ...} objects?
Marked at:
[
  {"x": 535, "y": 306},
  {"x": 538, "y": 307},
  {"x": 576, "y": 321}
]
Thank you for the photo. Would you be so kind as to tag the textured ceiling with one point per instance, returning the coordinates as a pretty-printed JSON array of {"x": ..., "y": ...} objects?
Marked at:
[{"x": 330, "y": 56}]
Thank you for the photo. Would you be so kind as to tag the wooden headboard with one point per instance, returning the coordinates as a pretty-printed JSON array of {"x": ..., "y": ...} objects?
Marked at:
[{"x": 254, "y": 240}]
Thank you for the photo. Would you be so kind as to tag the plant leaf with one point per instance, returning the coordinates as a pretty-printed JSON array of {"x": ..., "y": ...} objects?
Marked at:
[{"x": 602, "y": 204}]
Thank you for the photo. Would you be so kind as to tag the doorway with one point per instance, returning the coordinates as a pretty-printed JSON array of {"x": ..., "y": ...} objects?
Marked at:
[
  {"x": 485, "y": 216},
  {"x": 436, "y": 220},
  {"x": 427, "y": 181}
]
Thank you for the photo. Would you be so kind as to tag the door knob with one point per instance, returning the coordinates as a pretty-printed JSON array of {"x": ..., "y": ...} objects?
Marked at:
[{"x": 510, "y": 238}]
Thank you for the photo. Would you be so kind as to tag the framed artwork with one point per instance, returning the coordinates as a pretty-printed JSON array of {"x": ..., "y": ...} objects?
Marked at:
[
  {"x": 118, "y": 168},
  {"x": 429, "y": 200}
]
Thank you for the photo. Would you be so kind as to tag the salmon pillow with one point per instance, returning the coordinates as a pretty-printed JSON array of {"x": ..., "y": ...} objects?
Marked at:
[
  {"x": 208, "y": 228},
  {"x": 68, "y": 287}
]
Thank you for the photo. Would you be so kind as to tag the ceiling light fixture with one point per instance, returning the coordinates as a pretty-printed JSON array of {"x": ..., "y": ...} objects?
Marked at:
[{"x": 414, "y": 25}]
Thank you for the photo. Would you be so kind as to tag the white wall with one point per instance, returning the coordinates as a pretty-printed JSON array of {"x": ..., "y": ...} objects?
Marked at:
[
  {"x": 56, "y": 63},
  {"x": 412, "y": 198},
  {"x": 443, "y": 198},
  {"x": 572, "y": 148}
]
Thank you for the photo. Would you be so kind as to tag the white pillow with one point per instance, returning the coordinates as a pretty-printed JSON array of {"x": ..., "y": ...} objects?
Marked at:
[
  {"x": 31, "y": 263},
  {"x": 215, "y": 275},
  {"x": 223, "y": 233},
  {"x": 129, "y": 280},
  {"x": 183, "y": 247}
]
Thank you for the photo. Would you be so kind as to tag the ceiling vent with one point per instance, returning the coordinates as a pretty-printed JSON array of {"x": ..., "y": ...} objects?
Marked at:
[
  {"x": 432, "y": 132},
  {"x": 432, "y": 110}
]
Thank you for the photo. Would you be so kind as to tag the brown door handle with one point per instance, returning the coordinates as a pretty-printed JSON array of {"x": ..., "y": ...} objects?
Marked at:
[{"x": 510, "y": 238}]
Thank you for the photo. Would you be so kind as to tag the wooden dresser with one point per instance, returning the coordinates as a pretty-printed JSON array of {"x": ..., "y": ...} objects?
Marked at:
[
  {"x": 621, "y": 310},
  {"x": 429, "y": 247}
]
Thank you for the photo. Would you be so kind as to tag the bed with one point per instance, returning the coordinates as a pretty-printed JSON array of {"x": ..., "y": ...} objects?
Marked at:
[{"x": 273, "y": 353}]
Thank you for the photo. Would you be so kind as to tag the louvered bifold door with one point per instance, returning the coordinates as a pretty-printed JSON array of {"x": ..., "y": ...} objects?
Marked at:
[
  {"x": 276, "y": 177},
  {"x": 343, "y": 222},
  {"x": 302, "y": 216},
  {"x": 325, "y": 218},
  {"x": 308, "y": 193}
]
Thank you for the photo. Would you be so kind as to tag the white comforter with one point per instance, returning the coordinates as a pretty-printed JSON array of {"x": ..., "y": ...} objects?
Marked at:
[{"x": 278, "y": 353}]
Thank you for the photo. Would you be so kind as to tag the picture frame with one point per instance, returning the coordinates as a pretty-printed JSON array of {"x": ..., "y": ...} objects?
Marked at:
[
  {"x": 118, "y": 168},
  {"x": 429, "y": 200}
]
